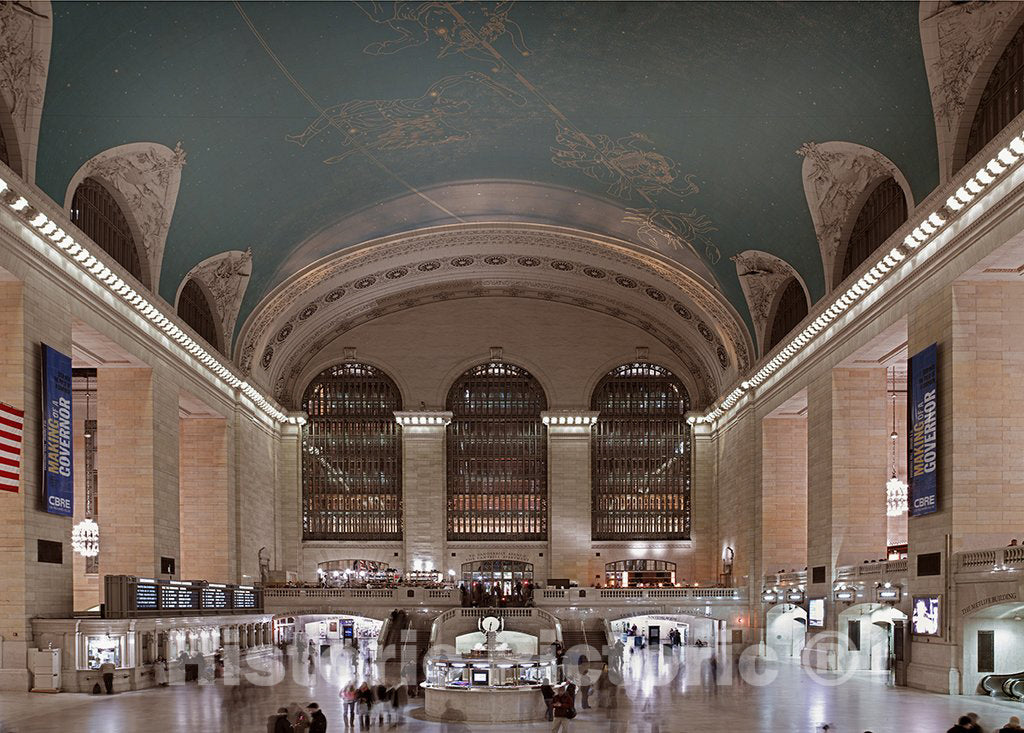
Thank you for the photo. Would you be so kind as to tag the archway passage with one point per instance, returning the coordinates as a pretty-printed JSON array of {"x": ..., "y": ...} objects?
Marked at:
[
  {"x": 993, "y": 651},
  {"x": 785, "y": 630},
  {"x": 640, "y": 573},
  {"x": 497, "y": 576},
  {"x": 870, "y": 643}
]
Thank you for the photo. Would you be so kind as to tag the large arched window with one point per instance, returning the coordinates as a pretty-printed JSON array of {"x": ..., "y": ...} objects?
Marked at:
[
  {"x": 95, "y": 212},
  {"x": 882, "y": 214},
  {"x": 194, "y": 309},
  {"x": 497, "y": 456},
  {"x": 791, "y": 309},
  {"x": 640, "y": 481},
  {"x": 1002, "y": 99},
  {"x": 351, "y": 456}
]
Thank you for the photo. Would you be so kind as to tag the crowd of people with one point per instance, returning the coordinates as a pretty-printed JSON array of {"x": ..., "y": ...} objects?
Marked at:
[{"x": 971, "y": 723}]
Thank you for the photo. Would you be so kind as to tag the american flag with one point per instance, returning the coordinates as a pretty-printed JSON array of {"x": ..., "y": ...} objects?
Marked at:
[{"x": 11, "y": 423}]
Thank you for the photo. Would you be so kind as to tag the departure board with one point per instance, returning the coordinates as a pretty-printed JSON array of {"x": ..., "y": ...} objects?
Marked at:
[
  {"x": 245, "y": 598},
  {"x": 214, "y": 597},
  {"x": 178, "y": 598},
  {"x": 146, "y": 597},
  {"x": 127, "y": 596}
]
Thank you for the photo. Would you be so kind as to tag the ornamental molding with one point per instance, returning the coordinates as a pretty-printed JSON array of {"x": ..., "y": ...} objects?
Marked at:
[
  {"x": 144, "y": 178},
  {"x": 838, "y": 177},
  {"x": 489, "y": 246},
  {"x": 224, "y": 277},
  {"x": 961, "y": 43},
  {"x": 761, "y": 277},
  {"x": 701, "y": 379},
  {"x": 25, "y": 30}
]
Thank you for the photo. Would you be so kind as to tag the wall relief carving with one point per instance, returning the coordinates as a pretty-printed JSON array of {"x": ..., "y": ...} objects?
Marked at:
[
  {"x": 225, "y": 277},
  {"x": 837, "y": 177},
  {"x": 957, "y": 41},
  {"x": 24, "y": 59},
  {"x": 433, "y": 246},
  {"x": 146, "y": 176},
  {"x": 761, "y": 275}
]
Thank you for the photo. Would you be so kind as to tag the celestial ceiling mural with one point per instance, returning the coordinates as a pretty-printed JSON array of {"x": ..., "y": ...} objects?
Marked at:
[{"x": 672, "y": 125}]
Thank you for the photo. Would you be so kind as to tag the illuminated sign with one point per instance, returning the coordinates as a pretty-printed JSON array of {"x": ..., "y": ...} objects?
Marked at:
[
  {"x": 845, "y": 595},
  {"x": 178, "y": 598},
  {"x": 146, "y": 597},
  {"x": 769, "y": 597},
  {"x": 245, "y": 598},
  {"x": 795, "y": 596},
  {"x": 816, "y": 612},
  {"x": 215, "y": 597},
  {"x": 889, "y": 594},
  {"x": 926, "y": 619}
]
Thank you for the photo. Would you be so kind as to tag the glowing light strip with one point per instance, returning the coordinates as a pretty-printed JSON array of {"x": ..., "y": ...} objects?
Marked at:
[
  {"x": 51, "y": 231},
  {"x": 988, "y": 175}
]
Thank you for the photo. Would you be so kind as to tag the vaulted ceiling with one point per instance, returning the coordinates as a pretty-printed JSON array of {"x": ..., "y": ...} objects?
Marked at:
[{"x": 308, "y": 128}]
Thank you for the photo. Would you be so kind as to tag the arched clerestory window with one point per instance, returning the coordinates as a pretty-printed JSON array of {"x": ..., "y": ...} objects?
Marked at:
[
  {"x": 352, "y": 456},
  {"x": 4, "y": 155},
  {"x": 195, "y": 309},
  {"x": 497, "y": 456},
  {"x": 1002, "y": 98},
  {"x": 95, "y": 212},
  {"x": 790, "y": 310},
  {"x": 640, "y": 464},
  {"x": 883, "y": 213}
]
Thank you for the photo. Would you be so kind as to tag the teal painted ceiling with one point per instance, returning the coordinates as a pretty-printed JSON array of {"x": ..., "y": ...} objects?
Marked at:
[{"x": 295, "y": 116}]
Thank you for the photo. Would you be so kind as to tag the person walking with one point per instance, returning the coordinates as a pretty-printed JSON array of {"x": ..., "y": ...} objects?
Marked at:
[
  {"x": 280, "y": 722},
  {"x": 365, "y": 703},
  {"x": 585, "y": 686},
  {"x": 963, "y": 725},
  {"x": 317, "y": 719},
  {"x": 563, "y": 710},
  {"x": 160, "y": 672},
  {"x": 548, "y": 693},
  {"x": 349, "y": 698}
]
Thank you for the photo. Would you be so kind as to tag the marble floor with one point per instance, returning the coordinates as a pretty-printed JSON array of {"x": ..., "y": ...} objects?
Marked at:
[{"x": 660, "y": 693}]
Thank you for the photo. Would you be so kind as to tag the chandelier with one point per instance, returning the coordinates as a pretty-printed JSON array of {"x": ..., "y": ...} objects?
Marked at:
[
  {"x": 895, "y": 489},
  {"x": 85, "y": 538}
]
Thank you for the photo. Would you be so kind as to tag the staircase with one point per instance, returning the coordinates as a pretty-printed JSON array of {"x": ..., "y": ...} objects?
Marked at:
[{"x": 409, "y": 636}]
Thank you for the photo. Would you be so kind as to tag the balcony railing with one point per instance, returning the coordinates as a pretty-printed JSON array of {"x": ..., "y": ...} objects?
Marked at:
[{"x": 988, "y": 561}]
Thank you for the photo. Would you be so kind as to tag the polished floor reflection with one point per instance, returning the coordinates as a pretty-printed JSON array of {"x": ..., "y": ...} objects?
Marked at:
[{"x": 661, "y": 693}]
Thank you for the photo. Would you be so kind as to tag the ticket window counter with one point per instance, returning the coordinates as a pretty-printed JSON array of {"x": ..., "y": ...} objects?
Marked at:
[{"x": 104, "y": 648}]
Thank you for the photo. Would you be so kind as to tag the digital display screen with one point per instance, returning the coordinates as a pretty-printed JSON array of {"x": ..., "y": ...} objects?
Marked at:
[
  {"x": 245, "y": 598},
  {"x": 215, "y": 598},
  {"x": 347, "y": 631},
  {"x": 146, "y": 597},
  {"x": 926, "y": 620},
  {"x": 816, "y": 612},
  {"x": 481, "y": 677},
  {"x": 178, "y": 597}
]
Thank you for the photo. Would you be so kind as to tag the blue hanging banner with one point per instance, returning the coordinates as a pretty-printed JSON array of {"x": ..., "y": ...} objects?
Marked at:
[
  {"x": 922, "y": 435},
  {"x": 58, "y": 485}
]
